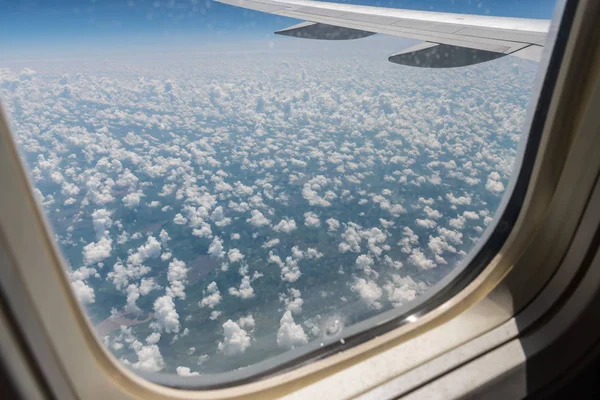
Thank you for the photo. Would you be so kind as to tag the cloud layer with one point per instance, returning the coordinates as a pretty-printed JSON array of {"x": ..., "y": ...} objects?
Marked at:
[{"x": 238, "y": 210}]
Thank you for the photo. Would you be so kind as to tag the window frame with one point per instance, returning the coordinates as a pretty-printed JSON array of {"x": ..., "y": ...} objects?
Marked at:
[{"x": 34, "y": 285}]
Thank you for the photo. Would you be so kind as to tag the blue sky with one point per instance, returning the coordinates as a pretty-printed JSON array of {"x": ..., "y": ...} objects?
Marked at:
[{"x": 67, "y": 26}]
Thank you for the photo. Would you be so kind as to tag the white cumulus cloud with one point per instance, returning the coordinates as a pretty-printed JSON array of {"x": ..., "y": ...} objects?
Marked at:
[
  {"x": 212, "y": 296},
  {"x": 290, "y": 334},
  {"x": 235, "y": 339},
  {"x": 166, "y": 315}
]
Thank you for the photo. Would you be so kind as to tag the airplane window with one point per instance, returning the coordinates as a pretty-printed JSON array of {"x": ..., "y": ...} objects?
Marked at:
[{"x": 228, "y": 199}]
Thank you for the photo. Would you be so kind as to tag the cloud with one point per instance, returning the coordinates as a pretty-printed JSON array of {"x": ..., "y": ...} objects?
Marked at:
[
  {"x": 360, "y": 194},
  {"x": 213, "y": 296},
  {"x": 459, "y": 201},
  {"x": 368, "y": 291},
  {"x": 101, "y": 221},
  {"x": 133, "y": 294},
  {"x": 164, "y": 237},
  {"x": 493, "y": 183},
  {"x": 293, "y": 301},
  {"x": 470, "y": 215},
  {"x": 84, "y": 273},
  {"x": 290, "y": 271},
  {"x": 27, "y": 74},
  {"x": 216, "y": 248},
  {"x": 351, "y": 242},
  {"x": 365, "y": 263},
  {"x": 217, "y": 214},
  {"x": 166, "y": 315},
  {"x": 177, "y": 271},
  {"x": 418, "y": 259},
  {"x": 180, "y": 219},
  {"x": 494, "y": 175},
  {"x": 245, "y": 291},
  {"x": 426, "y": 223},
  {"x": 408, "y": 240},
  {"x": 235, "y": 339},
  {"x": 96, "y": 252},
  {"x": 375, "y": 238},
  {"x": 122, "y": 273},
  {"x": 270, "y": 243},
  {"x": 310, "y": 192},
  {"x": 234, "y": 255},
  {"x": 204, "y": 231},
  {"x": 311, "y": 220},
  {"x": 431, "y": 213},
  {"x": 185, "y": 371},
  {"x": 151, "y": 249},
  {"x": 83, "y": 292},
  {"x": 311, "y": 253},
  {"x": 333, "y": 224},
  {"x": 290, "y": 334},
  {"x": 177, "y": 275},
  {"x": 457, "y": 223},
  {"x": 402, "y": 290},
  {"x": 285, "y": 225},
  {"x": 149, "y": 359},
  {"x": 392, "y": 263},
  {"x": 127, "y": 178},
  {"x": 153, "y": 338},
  {"x": 451, "y": 235},
  {"x": 438, "y": 245},
  {"x": 395, "y": 209},
  {"x": 258, "y": 219},
  {"x": 132, "y": 200},
  {"x": 247, "y": 322}
]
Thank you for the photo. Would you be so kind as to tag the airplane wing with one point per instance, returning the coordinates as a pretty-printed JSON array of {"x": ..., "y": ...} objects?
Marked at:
[{"x": 449, "y": 40}]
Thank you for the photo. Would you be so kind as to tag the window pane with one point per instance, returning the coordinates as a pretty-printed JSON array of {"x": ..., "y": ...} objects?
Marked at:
[{"x": 223, "y": 195}]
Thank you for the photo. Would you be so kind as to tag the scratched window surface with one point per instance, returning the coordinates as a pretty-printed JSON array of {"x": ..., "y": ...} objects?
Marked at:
[{"x": 222, "y": 195}]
